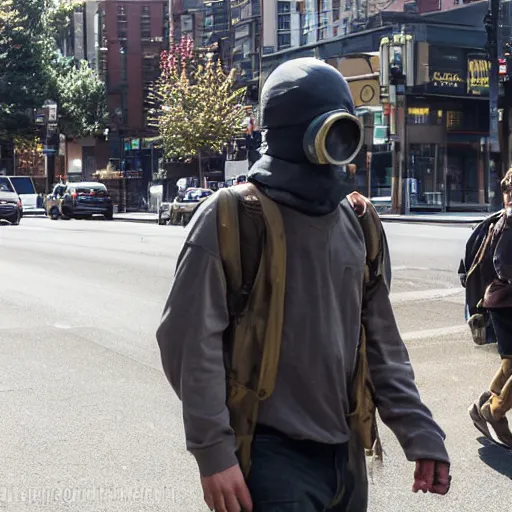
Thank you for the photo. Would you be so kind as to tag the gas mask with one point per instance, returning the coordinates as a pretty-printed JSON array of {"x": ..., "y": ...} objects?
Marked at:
[{"x": 333, "y": 138}]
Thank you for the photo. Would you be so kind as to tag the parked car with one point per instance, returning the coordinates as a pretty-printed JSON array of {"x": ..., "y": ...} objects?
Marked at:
[
  {"x": 180, "y": 211},
  {"x": 32, "y": 201},
  {"x": 79, "y": 201},
  {"x": 11, "y": 208}
]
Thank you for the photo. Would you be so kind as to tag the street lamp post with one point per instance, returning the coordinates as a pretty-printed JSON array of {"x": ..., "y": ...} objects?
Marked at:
[{"x": 51, "y": 134}]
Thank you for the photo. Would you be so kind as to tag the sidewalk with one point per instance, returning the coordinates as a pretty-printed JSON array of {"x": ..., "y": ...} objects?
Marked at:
[
  {"x": 150, "y": 218},
  {"x": 437, "y": 218},
  {"x": 424, "y": 218}
]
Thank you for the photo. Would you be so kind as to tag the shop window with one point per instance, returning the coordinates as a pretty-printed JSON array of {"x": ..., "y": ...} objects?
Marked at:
[
  {"x": 454, "y": 120},
  {"x": 418, "y": 115}
]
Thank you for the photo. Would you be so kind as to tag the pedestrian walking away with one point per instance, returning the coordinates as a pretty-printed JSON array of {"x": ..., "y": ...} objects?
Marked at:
[
  {"x": 278, "y": 335},
  {"x": 489, "y": 411}
]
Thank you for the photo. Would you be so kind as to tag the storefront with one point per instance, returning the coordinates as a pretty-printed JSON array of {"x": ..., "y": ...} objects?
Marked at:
[{"x": 447, "y": 132}]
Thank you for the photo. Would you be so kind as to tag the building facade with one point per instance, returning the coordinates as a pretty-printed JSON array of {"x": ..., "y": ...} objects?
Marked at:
[
  {"x": 444, "y": 143},
  {"x": 132, "y": 34}
]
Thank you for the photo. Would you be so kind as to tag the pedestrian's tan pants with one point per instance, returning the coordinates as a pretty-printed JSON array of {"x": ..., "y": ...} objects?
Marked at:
[{"x": 501, "y": 387}]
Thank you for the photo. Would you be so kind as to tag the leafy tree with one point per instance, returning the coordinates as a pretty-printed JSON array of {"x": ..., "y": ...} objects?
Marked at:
[
  {"x": 81, "y": 98},
  {"x": 32, "y": 70},
  {"x": 197, "y": 109},
  {"x": 23, "y": 77}
]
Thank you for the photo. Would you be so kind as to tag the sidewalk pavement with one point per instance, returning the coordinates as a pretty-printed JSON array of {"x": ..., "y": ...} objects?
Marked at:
[
  {"x": 425, "y": 218},
  {"x": 150, "y": 218},
  {"x": 437, "y": 218}
]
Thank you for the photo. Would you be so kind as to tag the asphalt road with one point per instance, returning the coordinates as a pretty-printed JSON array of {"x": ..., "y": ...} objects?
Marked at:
[{"x": 89, "y": 423}]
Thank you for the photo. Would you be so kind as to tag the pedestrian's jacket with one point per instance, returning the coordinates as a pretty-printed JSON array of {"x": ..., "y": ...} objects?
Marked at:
[{"x": 476, "y": 272}]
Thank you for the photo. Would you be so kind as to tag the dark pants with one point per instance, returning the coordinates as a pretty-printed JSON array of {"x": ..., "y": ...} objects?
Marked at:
[
  {"x": 298, "y": 476},
  {"x": 502, "y": 322}
]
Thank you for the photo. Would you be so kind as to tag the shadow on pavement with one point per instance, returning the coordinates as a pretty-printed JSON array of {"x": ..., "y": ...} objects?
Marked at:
[{"x": 497, "y": 458}]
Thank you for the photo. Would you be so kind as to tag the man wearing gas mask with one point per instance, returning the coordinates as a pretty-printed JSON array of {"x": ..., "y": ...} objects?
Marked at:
[{"x": 300, "y": 437}]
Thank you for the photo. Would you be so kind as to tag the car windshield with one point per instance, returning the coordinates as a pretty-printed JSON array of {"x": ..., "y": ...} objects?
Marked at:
[
  {"x": 5, "y": 185},
  {"x": 195, "y": 195},
  {"x": 23, "y": 185}
]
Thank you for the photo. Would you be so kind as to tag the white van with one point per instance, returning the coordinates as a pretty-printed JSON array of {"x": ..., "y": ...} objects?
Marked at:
[{"x": 30, "y": 199}]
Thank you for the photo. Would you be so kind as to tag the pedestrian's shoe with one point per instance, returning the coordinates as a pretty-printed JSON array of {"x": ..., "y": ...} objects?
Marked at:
[
  {"x": 478, "y": 420},
  {"x": 499, "y": 425}
]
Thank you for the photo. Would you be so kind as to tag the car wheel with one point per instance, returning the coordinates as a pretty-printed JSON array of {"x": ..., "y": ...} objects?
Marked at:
[
  {"x": 65, "y": 215},
  {"x": 15, "y": 219},
  {"x": 54, "y": 213},
  {"x": 109, "y": 216}
]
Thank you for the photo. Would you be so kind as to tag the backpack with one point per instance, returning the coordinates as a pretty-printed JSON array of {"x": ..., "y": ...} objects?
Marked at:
[
  {"x": 252, "y": 246},
  {"x": 476, "y": 271}
]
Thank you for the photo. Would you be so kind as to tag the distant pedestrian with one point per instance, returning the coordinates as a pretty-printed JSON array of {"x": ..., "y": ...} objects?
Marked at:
[{"x": 490, "y": 409}]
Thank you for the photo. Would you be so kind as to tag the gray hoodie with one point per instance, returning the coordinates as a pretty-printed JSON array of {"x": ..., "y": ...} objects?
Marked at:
[{"x": 323, "y": 307}]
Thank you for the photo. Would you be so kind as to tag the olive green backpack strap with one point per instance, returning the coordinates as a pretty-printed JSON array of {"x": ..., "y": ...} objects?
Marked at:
[
  {"x": 229, "y": 240},
  {"x": 255, "y": 278},
  {"x": 363, "y": 418}
]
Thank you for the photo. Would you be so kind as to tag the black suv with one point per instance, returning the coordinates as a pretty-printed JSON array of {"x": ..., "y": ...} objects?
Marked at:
[{"x": 80, "y": 201}]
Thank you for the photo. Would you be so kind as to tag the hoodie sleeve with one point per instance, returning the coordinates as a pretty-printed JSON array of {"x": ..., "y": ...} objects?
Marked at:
[
  {"x": 190, "y": 339},
  {"x": 398, "y": 400}
]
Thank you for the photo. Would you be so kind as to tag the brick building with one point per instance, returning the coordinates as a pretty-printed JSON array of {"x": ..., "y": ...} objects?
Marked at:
[{"x": 132, "y": 34}]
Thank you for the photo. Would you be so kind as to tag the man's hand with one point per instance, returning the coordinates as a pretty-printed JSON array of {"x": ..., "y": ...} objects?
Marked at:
[
  {"x": 227, "y": 491},
  {"x": 432, "y": 476}
]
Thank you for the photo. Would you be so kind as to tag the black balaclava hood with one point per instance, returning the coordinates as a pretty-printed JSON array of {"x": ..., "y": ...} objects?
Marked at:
[{"x": 294, "y": 94}]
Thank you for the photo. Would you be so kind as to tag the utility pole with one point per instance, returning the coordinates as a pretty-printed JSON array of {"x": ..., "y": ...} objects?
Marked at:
[
  {"x": 396, "y": 75},
  {"x": 495, "y": 167}
]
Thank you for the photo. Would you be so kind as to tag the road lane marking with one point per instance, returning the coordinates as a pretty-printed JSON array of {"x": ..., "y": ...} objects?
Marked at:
[{"x": 421, "y": 295}]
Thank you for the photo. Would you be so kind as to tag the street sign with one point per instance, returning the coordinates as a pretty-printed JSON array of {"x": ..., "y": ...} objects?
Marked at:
[{"x": 49, "y": 150}]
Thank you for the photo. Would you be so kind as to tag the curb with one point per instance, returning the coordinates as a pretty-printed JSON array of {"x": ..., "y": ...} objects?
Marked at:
[
  {"x": 137, "y": 221},
  {"x": 447, "y": 222}
]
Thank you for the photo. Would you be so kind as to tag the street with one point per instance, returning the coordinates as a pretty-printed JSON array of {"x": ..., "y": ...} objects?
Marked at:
[{"x": 89, "y": 422}]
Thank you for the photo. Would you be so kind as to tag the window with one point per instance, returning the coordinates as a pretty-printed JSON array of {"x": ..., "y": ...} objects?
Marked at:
[
  {"x": 283, "y": 40},
  {"x": 145, "y": 22},
  {"x": 335, "y": 10},
  {"x": 323, "y": 19},
  {"x": 344, "y": 26},
  {"x": 124, "y": 64},
  {"x": 283, "y": 16},
  {"x": 283, "y": 8},
  {"x": 283, "y": 22},
  {"x": 150, "y": 67},
  {"x": 122, "y": 23},
  {"x": 348, "y": 5},
  {"x": 454, "y": 120},
  {"x": 23, "y": 185},
  {"x": 5, "y": 185}
]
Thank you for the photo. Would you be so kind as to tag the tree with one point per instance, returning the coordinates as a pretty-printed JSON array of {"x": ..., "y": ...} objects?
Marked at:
[
  {"x": 81, "y": 98},
  {"x": 23, "y": 77},
  {"x": 32, "y": 70},
  {"x": 197, "y": 108}
]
